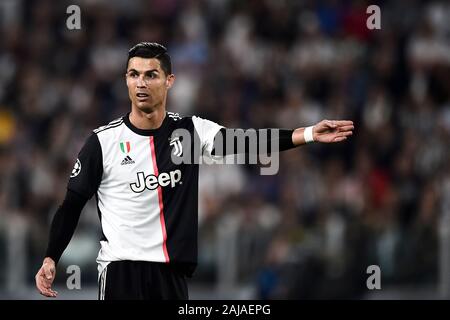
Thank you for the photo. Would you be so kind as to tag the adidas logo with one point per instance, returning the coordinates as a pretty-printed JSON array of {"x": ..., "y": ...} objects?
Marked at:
[{"x": 127, "y": 160}]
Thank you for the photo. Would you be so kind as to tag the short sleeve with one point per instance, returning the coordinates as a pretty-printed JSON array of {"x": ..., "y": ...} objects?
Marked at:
[
  {"x": 87, "y": 172},
  {"x": 207, "y": 131}
]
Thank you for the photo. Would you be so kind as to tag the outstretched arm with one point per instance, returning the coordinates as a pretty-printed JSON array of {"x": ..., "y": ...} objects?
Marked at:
[{"x": 326, "y": 131}]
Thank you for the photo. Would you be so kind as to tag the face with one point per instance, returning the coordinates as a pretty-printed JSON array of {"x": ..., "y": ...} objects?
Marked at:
[{"x": 147, "y": 84}]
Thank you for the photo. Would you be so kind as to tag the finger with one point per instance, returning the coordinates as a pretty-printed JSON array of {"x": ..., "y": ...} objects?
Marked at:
[
  {"x": 49, "y": 293},
  {"x": 42, "y": 281},
  {"x": 42, "y": 284},
  {"x": 46, "y": 284},
  {"x": 42, "y": 289},
  {"x": 339, "y": 138},
  {"x": 344, "y": 134},
  {"x": 346, "y": 128},
  {"x": 53, "y": 293},
  {"x": 343, "y": 122},
  {"x": 46, "y": 291}
]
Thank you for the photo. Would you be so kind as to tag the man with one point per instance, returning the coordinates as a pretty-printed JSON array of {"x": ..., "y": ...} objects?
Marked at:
[{"x": 147, "y": 204}]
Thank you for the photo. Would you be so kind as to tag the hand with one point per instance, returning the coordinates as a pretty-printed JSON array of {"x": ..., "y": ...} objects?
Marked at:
[
  {"x": 44, "y": 278},
  {"x": 329, "y": 131}
]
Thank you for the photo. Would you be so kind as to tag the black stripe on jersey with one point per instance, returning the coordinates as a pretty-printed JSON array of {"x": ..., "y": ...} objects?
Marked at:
[
  {"x": 181, "y": 228},
  {"x": 103, "y": 237},
  {"x": 108, "y": 127}
]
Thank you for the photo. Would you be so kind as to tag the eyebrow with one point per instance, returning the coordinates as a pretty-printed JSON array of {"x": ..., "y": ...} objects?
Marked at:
[{"x": 147, "y": 71}]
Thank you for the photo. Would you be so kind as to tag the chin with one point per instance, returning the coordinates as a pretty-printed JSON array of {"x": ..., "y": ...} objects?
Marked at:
[{"x": 144, "y": 107}]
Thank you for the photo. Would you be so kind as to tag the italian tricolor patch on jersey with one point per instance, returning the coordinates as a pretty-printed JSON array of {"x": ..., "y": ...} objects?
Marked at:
[{"x": 125, "y": 147}]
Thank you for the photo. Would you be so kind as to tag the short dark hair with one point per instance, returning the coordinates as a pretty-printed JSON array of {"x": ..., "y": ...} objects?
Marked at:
[{"x": 152, "y": 50}]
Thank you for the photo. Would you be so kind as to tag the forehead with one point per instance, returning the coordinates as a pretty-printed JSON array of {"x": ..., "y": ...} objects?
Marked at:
[{"x": 144, "y": 64}]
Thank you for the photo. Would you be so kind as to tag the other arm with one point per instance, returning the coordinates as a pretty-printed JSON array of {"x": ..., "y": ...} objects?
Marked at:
[{"x": 83, "y": 183}]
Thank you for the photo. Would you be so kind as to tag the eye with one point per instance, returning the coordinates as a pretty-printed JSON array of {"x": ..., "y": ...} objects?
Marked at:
[{"x": 133, "y": 74}]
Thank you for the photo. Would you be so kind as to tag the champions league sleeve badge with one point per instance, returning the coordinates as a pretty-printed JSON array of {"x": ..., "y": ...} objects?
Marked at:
[{"x": 76, "y": 169}]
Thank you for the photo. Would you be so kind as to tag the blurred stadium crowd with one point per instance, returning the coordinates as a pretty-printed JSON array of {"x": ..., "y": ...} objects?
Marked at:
[{"x": 381, "y": 197}]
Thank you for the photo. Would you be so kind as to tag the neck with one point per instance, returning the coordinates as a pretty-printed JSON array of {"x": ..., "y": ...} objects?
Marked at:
[{"x": 142, "y": 120}]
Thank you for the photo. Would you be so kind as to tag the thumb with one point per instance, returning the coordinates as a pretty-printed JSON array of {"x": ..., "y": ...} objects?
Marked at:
[{"x": 48, "y": 272}]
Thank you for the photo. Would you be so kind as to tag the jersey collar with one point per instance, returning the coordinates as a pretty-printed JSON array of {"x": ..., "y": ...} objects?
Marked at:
[{"x": 145, "y": 132}]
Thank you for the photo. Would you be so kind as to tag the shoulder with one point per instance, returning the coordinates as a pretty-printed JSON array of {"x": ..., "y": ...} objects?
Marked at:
[
  {"x": 179, "y": 121},
  {"x": 192, "y": 122},
  {"x": 175, "y": 116},
  {"x": 202, "y": 123},
  {"x": 113, "y": 124}
]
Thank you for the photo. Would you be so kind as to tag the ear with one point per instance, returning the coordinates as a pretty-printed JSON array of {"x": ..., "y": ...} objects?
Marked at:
[{"x": 170, "y": 80}]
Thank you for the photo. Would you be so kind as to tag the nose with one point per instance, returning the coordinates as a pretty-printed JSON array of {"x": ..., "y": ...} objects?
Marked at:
[{"x": 140, "y": 82}]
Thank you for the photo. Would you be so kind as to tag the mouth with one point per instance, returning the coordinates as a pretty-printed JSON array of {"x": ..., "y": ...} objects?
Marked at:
[{"x": 142, "y": 96}]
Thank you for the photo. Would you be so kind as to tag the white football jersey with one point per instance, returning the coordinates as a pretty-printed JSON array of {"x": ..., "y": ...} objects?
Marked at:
[{"x": 147, "y": 204}]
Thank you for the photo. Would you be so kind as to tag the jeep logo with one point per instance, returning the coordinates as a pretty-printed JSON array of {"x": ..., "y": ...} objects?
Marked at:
[{"x": 152, "y": 182}]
